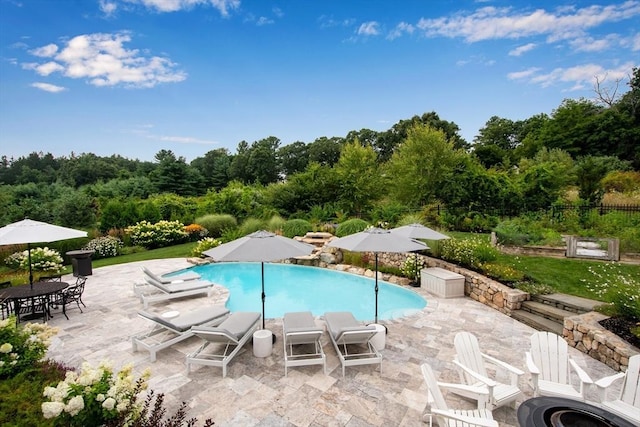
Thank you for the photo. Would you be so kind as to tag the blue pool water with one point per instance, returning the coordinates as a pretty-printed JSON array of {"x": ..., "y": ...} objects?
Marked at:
[{"x": 298, "y": 288}]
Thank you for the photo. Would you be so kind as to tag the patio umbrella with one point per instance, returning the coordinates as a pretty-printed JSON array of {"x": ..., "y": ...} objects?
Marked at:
[
  {"x": 418, "y": 231},
  {"x": 29, "y": 231},
  {"x": 259, "y": 246},
  {"x": 377, "y": 240}
]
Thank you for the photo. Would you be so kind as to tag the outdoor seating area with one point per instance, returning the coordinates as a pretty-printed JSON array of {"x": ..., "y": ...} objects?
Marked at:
[{"x": 255, "y": 390}]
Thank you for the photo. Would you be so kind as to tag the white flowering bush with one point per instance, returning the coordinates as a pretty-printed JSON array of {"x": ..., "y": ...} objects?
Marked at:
[
  {"x": 162, "y": 233},
  {"x": 621, "y": 290},
  {"x": 42, "y": 259},
  {"x": 104, "y": 247},
  {"x": 21, "y": 347},
  {"x": 96, "y": 396},
  {"x": 412, "y": 266},
  {"x": 205, "y": 244},
  {"x": 471, "y": 253}
]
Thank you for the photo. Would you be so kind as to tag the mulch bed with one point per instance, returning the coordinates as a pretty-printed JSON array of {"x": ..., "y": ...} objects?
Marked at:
[{"x": 622, "y": 328}]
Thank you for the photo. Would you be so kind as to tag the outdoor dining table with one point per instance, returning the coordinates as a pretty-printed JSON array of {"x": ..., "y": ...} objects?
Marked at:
[{"x": 26, "y": 293}]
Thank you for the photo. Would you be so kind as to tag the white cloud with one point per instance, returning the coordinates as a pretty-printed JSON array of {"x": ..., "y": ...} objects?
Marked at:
[
  {"x": 635, "y": 42},
  {"x": 589, "y": 44},
  {"x": 223, "y": 6},
  {"x": 489, "y": 23},
  {"x": 184, "y": 140},
  {"x": 401, "y": 29},
  {"x": 522, "y": 49},
  {"x": 264, "y": 21},
  {"x": 48, "y": 87},
  {"x": 45, "y": 51},
  {"x": 579, "y": 77},
  {"x": 104, "y": 61},
  {"x": 108, "y": 7},
  {"x": 370, "y": 28},
  {"x": 518, "y": 75}
]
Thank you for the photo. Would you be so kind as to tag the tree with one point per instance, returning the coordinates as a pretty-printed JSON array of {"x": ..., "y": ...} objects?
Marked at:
[
  {"x": 543, "y": 179},
  {"x": 325, "y": 151},
  {"x": 173, "y": 175},
  {"x": 239, "y": 167},
  {"x": 214, "y": 168},
  {"x": 422, "y": 163},
  {"x": 262, "y": 162},
  {"x": 590, "y": 170},
  {"x": 293, "y": 158},
  {"x": 357, "y": 171}
]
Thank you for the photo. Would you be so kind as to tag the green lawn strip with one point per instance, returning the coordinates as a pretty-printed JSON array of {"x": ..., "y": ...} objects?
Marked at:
[
  {"x": 177, "y": 251},
  {"x": 567, "y": 276}
]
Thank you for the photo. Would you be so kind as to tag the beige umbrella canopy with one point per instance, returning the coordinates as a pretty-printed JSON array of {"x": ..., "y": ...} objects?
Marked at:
[
  {"x": 29, "y": 231},
  {"x": 377, "y": 240}
]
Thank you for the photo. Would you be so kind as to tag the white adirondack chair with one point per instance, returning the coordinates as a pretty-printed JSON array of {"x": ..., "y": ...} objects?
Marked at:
[
  {"x": 452, "y": 417},
  {"x": 627, "y": 405},
  {"x": 550, "y": 366},
  {"x": 471, "y": 367}
]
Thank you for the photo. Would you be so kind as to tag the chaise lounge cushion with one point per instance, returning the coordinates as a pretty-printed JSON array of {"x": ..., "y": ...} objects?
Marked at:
[
  {"x": 236, "y": 325},
  {"x": 185, "y": 321}
]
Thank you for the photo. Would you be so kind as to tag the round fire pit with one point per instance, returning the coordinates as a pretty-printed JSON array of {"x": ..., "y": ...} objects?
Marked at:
[{"x": 561, "y": 412}]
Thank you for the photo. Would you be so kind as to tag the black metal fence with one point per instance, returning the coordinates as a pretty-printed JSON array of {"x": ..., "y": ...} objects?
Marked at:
[{"x": 601, "y": 209}]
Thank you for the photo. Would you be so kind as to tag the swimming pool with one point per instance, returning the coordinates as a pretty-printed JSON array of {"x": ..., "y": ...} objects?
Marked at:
[{"x": 299, "y": 288}]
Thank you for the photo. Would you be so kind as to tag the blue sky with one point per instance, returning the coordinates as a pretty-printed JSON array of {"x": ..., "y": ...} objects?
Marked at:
[{"x": 132, "y": 77}]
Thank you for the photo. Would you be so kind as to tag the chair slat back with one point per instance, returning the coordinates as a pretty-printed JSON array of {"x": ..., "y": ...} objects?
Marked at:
[
  {"x": 468, "y": 354},
  {"x": 630, "y": 392},
  {"x": 551, "y": 355},
  {"x": 435, "y": 397}
]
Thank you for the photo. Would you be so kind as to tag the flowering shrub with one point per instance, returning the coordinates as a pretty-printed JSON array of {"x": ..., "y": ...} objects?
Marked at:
[
  {"x": 42, "y": 259},
  {"x": 470, "y": 253},
  {"x": 620, "y": 290},
  {"x": 104, "y": 247},
  {"x": 502, "y": 273},
  {"x": 412, "y": 266},
  {"x": 195, "y": 232},
  {"x": 21, "y": 347},
  {"x": 96, "y": 396},
  {"x": 162, "y": 233},
  {"x": 204, "y": 244}
]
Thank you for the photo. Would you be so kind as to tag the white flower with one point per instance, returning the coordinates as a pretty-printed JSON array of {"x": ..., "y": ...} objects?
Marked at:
[
  {"x": 52, "y": 409},
  {"x": 109, "y": 404},
  {"x": 75, "y": 405},
  {"x": 100, "y": 397},
  {"x": 6, "y": 348}
]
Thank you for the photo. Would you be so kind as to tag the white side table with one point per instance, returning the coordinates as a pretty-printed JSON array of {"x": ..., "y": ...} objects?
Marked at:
[
  {"x": 379, "y": 340},
  {"x": 262, "y": 343},
  {"x": 170, "y": 314}
]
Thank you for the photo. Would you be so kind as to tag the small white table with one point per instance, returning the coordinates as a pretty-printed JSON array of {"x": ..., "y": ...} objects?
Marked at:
[
  {"x": 170, "y": 314},
  {"x": 262, "y": 343}
]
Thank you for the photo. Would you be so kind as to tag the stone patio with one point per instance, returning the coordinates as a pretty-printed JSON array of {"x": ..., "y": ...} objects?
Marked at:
[{"x": 256, "y": 392}]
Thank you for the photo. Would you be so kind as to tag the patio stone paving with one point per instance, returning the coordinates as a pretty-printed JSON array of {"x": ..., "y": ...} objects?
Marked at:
[{"x": 256, "y": 392}]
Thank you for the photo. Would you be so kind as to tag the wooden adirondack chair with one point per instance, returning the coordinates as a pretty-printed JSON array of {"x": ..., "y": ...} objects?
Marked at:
[
  {"x": 550, "y": 366},
  {"x": 453, "y": 417},
  {"x": 627, "y": 405},
  {"x": 471, "y": 366}
]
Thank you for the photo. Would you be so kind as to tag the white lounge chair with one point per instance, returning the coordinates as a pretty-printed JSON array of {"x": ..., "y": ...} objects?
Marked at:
[
  {"x": 166, "y": 332},
  {"x": 437, "y": 406},
  {"x": 171, "y": 279},
  {"x": 471, "y": 366},
  {"x": 352, "y": 340},
  {"x": 301, "y": 338},
  {"x": 627, "y": 404},
  {"x": 550, "y": 366},
  {"x": 170, "y": 291},
  {"x": 224, "y": 341}
]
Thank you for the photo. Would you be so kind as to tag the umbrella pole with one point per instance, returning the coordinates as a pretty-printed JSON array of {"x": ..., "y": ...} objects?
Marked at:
[
  {"x": 30, "y": 270},
  {"x": 263, "y": 296},
  {"x": 376, "y": 288}
]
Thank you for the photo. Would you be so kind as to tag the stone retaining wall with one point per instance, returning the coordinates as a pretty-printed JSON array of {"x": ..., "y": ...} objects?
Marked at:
[{"x": 587, "y": 335}]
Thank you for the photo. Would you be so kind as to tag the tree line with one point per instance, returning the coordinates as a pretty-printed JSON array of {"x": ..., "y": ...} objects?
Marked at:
[{"x": 521, "y": 165}]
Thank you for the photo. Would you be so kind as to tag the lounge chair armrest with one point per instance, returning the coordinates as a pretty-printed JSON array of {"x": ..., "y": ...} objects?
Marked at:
[
  {"x": 488, "y": 381},
  {"x": 483, "y": 422},
  {"x": 603, "y": 384},
  {"x": 584, "y": 377},
  {"x": 504, "y": 365},
  {"x": 531, "y": 366},
  {"x": 464, "y": 387}
]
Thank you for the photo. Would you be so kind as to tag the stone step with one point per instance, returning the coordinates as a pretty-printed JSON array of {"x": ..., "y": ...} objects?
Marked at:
[
  {"x": 537, "y": 322},
  {"x": 568, "y": 302},
  {"x": 550, "y": 312}
]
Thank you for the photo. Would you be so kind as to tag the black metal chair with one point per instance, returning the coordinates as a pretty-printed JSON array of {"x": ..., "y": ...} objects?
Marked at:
[
  {"x": 70, "y": 295},
  {"x": 32, "y": 308},
  {"x": 6, "y": 305},
  {"x": 52, "y": 278}
]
